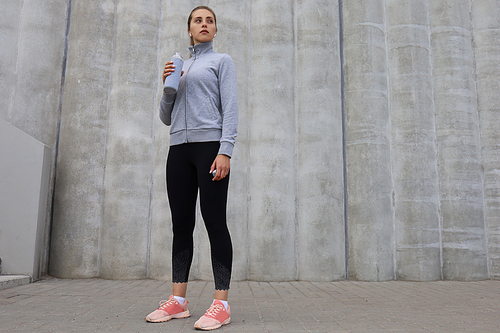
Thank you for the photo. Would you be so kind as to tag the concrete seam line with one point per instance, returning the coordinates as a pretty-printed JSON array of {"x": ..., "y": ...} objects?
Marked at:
[
  {"x": 249, "y": 146},
  {"x": 440, "y": 219},
  {"x": 296, "y": 151},
  {"x": 344, "y": 148},
  {"x": 391, "y": 162},
  {"x": 153, "y": 134},
  {"x": 108, "y": 107},
  {"x": 58, "y": 128}
]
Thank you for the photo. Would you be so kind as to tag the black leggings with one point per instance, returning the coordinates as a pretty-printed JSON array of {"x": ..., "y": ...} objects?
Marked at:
[{"x": 188, "y": 168}]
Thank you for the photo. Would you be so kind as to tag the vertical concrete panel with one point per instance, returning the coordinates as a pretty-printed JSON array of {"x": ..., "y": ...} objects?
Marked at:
[
  {"x": 414, "y": 162},
  {"x": 173, "y": 38},
  {"x": 272, "y": 218},
  {"x": 232, "y": 39},
  {"x": 233, "y": 34},
  {"x": 130, "y": 151},
  {"x": 369, "y": 183},
  {"x": 320, "y": 196},
  {"x": 201, "y": 267},
  {"x": 31, "y": 53},
  {"x": 78, "y": 205},
  {"x": 463, "y": 234},
  {"x": 486, "y": 23},
  {"x": 35, "y": 108},
  {"x": 10, "y": 16}
]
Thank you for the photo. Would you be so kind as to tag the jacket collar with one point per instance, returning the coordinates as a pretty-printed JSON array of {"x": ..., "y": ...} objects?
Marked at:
[{"x": 200, "y": 48}]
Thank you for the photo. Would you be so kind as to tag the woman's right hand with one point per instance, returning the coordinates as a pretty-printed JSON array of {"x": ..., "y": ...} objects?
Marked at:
[{"x": 169, "y": 68}]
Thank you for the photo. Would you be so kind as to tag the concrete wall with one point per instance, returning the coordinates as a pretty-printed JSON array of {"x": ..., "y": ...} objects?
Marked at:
[
  {"x": 486, "y": 33},
  {"x": 458, "y": 141},
  {"x": 32, "y": 52},
  {"x": 414, "y": 148},
  {"x": 367, "y": 147}
]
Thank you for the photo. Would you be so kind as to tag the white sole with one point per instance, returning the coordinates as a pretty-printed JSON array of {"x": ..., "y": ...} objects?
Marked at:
[
  {"x": 225, "y": 322},
  {"x": 179, "y": 315}
]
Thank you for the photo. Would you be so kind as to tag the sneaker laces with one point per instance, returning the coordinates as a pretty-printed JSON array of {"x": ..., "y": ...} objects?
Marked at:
[
  {"x": 165, "y": 304},
  {"x": 214, "y": 310}
]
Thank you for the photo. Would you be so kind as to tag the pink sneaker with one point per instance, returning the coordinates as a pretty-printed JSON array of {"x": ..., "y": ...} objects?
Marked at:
[
  {"x": 214, "y": 317},
  {"x": 168, "y": 310}
]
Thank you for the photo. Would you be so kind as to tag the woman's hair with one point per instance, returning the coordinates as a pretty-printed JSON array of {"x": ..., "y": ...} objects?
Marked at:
[{"x": 191, "y": 17}]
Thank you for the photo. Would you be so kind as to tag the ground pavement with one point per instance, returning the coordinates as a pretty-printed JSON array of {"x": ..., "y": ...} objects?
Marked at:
[{"x": 96, "y": 305}]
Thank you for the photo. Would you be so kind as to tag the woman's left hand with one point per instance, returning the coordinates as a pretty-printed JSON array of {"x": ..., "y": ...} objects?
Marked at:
[{"x": 222, "y": 165}]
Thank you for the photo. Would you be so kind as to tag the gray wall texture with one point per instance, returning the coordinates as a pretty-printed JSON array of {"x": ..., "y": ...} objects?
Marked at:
[{"x": 368, "y": 143}]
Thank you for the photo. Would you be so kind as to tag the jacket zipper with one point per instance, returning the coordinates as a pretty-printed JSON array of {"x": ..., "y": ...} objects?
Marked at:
[{"x": 185, "y": 104}]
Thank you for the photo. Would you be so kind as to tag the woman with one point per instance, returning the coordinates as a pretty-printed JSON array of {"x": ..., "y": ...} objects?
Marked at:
[{"x": 203, "y": 118}]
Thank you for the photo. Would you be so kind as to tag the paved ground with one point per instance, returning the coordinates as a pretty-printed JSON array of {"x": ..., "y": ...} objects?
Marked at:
[{"x": 94, "y": 305}]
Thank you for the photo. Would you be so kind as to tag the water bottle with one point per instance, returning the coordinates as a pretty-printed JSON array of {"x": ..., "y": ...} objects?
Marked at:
[{"x": 172, "y": 81}]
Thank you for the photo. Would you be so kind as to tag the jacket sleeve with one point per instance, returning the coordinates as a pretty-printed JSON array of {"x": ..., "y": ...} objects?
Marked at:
[
  {"x": 166, "y": 106},
  {"x": 229, "y": 104}
]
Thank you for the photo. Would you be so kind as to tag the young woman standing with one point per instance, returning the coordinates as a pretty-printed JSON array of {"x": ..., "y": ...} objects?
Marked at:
[{"x": 203, "y": 119}]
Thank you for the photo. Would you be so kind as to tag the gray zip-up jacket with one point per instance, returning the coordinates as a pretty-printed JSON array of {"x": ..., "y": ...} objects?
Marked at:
[{"x": 205, "y": 107}]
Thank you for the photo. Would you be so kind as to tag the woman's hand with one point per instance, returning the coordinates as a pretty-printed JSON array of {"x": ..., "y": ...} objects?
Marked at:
[
  {"x": 222, "y": 165},
  {"x": 169, "y": 68}
]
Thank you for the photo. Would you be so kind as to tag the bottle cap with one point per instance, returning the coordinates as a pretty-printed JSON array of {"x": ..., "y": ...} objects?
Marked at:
[{"x": 178, "y": 55}]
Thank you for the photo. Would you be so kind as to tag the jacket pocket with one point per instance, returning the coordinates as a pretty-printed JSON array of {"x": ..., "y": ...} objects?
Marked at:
[{"x": 213, "y": 112}]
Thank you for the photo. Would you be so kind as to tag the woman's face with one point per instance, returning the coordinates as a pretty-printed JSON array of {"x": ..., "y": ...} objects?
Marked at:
[{"x": 203, "y": 26}]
